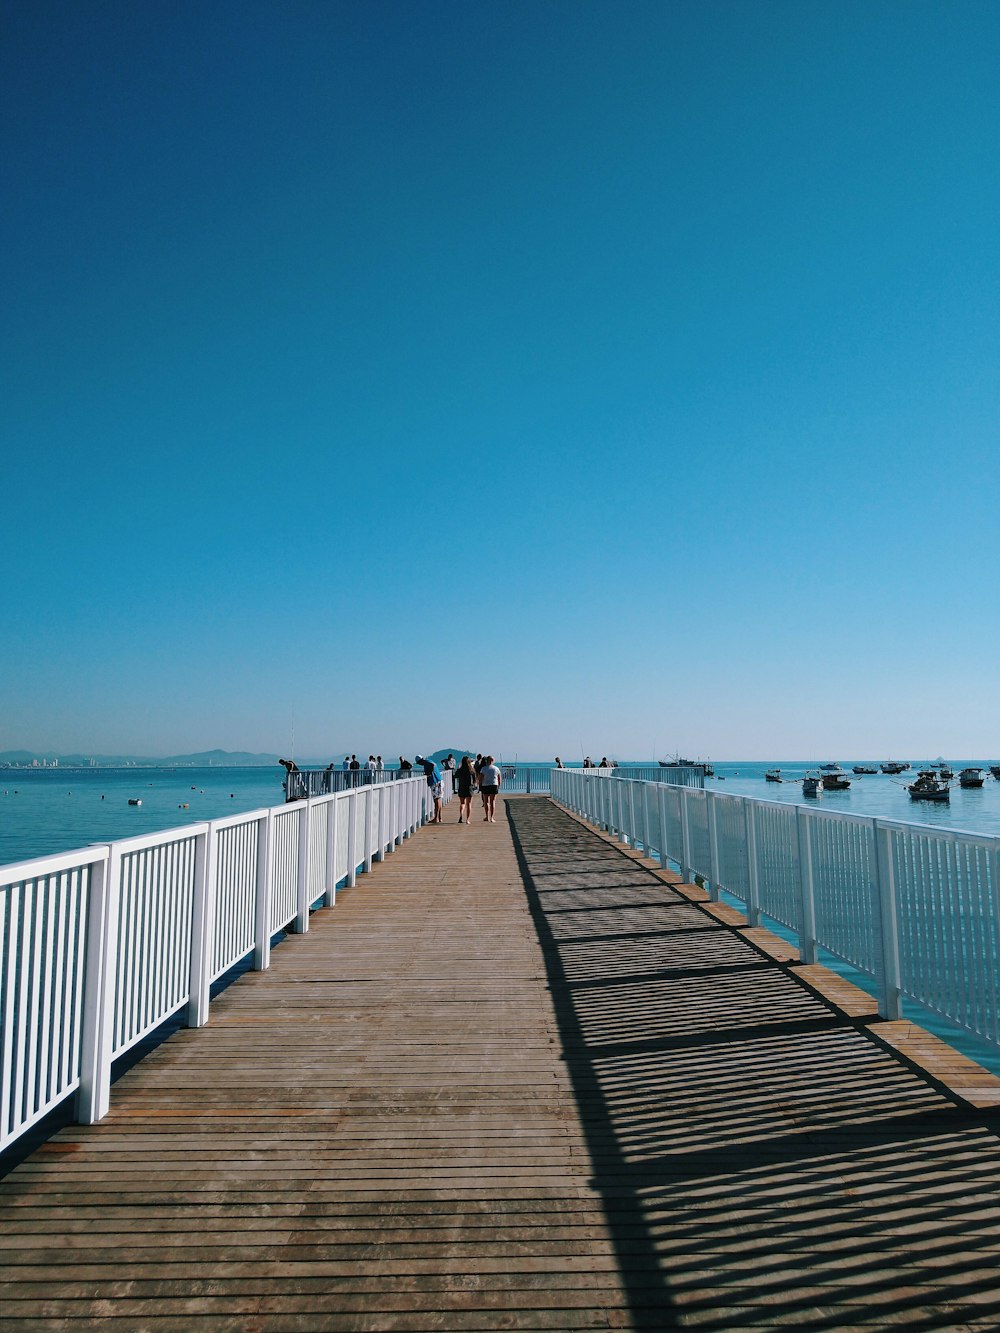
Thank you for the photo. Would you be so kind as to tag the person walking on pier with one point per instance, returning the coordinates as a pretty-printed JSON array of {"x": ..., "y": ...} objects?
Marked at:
[
  {"x": 465, "y": 781},
  {"x": 489, "y": 784}
]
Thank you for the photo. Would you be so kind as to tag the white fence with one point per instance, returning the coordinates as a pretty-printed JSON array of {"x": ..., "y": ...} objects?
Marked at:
[
  {"x": 100, "y": 946},
  {"x": 913, "y": 907}
]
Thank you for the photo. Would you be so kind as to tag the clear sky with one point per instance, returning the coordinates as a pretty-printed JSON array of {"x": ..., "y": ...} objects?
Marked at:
[{"x": 519, "y": 375}]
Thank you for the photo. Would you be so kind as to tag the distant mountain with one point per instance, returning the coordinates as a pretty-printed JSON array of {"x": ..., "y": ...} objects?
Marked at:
[{"x": 455, "y": 750}]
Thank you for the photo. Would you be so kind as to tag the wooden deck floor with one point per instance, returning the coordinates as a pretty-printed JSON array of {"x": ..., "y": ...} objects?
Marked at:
[{"x": 514, "y": 1080}]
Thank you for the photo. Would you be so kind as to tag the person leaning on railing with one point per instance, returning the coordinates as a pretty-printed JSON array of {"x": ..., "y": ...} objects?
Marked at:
[{"x": 436, "y": 784}]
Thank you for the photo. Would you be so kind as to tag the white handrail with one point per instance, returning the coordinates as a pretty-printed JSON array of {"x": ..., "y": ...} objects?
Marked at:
[
  {"x": 99, "y": 946},
  {"x": 912, "y": 906}
]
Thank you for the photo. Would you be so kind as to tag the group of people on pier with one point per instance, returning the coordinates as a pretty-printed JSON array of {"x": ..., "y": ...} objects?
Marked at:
[{"x": 481, "y": 774}]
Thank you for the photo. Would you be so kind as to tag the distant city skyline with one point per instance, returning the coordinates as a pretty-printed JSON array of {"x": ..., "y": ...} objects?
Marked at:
[{"x": 564, "y": 376}]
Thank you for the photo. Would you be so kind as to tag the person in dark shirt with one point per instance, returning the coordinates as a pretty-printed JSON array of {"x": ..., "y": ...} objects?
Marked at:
[{"x": 465, "y": 784}]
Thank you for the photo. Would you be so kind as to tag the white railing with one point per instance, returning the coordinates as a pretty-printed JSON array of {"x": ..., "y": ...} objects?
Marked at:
[
  {"x": 914, "y": 907},
  {"x": 100, "y": 946}
]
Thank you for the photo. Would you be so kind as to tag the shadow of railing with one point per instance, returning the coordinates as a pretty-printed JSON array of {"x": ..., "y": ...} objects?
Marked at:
[{"x": 762, "y": 1159}]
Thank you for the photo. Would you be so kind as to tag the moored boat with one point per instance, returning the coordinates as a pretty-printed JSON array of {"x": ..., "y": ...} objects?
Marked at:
[
  {"x": 971, "y": 777},
  {"x": 773, "y": 775},
  {"x": 835, "y": 782},
  {"x": 812, "y": 785},
  {"x": 928, "y": 786},
  {"x": 995, "y": 770},
  {"x": 864, "y": 768},
  {"x": 830, "y": 768},
  {"x": 892, "y": 766}
]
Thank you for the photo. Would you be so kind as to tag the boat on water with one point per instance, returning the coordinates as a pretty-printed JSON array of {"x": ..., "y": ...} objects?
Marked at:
[
  {"x": 864, "y": 768},
  {"x": 835, "y": 781},
  {"x": 773, "y": 775},
  {"x": 677, "y": 762},
  {"x": 892, "y": 766},
  {"x": 929, "y": 786},
  {"x": 812, "y": 785},
  {"x": 995, "y": 770},
  {"x": 971, "y": 777},
  {"x": 830, "y": 768}
]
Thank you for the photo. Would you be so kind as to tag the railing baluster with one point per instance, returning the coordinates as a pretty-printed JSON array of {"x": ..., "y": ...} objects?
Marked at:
[
  {"x": 352, "y": 838},
  {"x": 330, "y": 878},
  {"x": 94, "y": 1094},
  {"x": 199, "y": 981},
  {"x": 262, "y": 893},
  {"x": 687, "y": 872},
  {"x": 807, "y": 935},
  {"x": 886, "y": 926}
]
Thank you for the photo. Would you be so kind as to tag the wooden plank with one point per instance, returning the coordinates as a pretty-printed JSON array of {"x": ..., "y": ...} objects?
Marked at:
[{"x": 525, "y": 1082}]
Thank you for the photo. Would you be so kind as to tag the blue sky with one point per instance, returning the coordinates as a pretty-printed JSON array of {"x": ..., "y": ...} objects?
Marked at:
[{"x": 514, "y": 375}]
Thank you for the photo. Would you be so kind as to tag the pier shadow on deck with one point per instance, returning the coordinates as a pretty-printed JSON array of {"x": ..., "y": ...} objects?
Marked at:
[{"x": 762, "y": 1159}]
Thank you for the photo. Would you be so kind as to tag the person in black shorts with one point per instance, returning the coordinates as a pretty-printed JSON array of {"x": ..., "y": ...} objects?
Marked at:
[
  {"x": 489, "y": 785},
  {"x": 465, "y": 782}
]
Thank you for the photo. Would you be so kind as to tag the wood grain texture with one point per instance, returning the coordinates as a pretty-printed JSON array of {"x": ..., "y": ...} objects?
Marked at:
[{"x": 517, "y": 1079}]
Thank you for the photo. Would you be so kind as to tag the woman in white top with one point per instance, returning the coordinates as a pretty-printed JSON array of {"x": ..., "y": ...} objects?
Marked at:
[{"x": 490, "y": 778}]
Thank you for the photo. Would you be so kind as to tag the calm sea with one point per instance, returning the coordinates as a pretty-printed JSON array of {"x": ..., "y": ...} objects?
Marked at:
[{"x": 46, "y": 810}]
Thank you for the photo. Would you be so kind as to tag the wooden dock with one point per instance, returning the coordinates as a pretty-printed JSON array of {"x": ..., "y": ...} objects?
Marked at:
[{"x": 517, "y": 1080}]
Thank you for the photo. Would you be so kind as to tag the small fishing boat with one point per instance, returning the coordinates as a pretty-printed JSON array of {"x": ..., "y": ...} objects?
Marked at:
[
  {"x": 830, "y": 768},
  {"x": 812, "y": 785},
  {"x": 892, "y": 766},
  {"x": 835, "y": 782},
  {"x": 132, "y": 800},
  {"x": 928, "y": 786},
  {"x": 864, "y": 768},
  {"x": 773, "y": 775},
  {"x": 676, "y": 761},
  {"x": 995, "y": 770},
  {"x": 971, "y": 777}
]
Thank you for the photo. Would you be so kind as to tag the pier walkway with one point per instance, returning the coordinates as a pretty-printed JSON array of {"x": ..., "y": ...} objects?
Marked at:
[{"x": 516, "y": 1079}]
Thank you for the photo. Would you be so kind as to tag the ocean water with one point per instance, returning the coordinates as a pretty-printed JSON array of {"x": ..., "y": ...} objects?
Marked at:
[
  {"x": 974, "y": 810},
  {"x": 47, "y": 810}
]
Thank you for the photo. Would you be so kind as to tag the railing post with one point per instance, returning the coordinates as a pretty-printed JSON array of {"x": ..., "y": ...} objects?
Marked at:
[
  {"x": 300, "y": 922},
  {"x": 753, "y": 881},
  {"x": 352, "y": 837},
  {"x": 203, "y": 902},
  {"x": 807, "y": 937},
  {"x": 632, "y": 830},
  {"x": 713, "y": 845},
  {"x": 330, "y": 875},
  {"x": 890, "y": 982},
  {"x": 644, "y": 808},
  {"x": 262, "y": 896},
  {"x": 383, "y": 825},
  {"x": 97, "y": 1036},
  {"x": 620, "y": 807},
  {"x": 369, "y": 828},
  {"x": 397, "y": 821},
  {"x": 687, "y": 873},
  {"x": 661, "y": 810}
]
